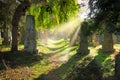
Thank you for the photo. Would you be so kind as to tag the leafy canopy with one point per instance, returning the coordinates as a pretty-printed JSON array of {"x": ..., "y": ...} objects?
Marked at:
[
  {"x": 105, "y": 11},
  {"x": 53, "y": 12}
]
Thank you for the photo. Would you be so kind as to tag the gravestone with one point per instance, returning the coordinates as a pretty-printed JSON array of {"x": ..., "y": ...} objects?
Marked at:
[
  {"x": 30, "y": 35},
  {"x": 107, "y": 45},
  {"x": 83, "y": 47}
]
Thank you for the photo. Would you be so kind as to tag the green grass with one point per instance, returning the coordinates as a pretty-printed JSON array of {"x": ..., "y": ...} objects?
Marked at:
[
  {"x": 18, "y": 63},
  {"x": 104, "y": 61},
  {"x": 58, "y": 58},
  {"x": 118, "y": 42}
]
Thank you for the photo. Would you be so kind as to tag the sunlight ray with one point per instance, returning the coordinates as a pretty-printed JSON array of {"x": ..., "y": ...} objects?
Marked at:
[{"x": 61, "y": 32}]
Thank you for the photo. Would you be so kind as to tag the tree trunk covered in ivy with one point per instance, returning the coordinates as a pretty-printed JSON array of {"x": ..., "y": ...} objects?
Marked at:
[
  {"x": 19, "y": 11},
  {"x": 107, "y": 45}
]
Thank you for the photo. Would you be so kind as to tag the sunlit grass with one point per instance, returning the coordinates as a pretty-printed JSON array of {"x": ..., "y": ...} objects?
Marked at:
[
  {"x": 63, "y": 53},
  {"x": 57, "y": 46},
  {"x": 58, "y": 55},
  {"x": 43, "y": 49},
  {"x": 4, "y": 48},
  {"x": 0, "y": 41},
  {"x": 106, "y": 60},
  {"x": 20, "y": 47},
  {"x": 50, "y": 41},
  {"x": 117, "y": 47},
  {"x": 55, "y": 61},
  {"x": 42, "y": 67},
  {"x": 63, "y": 59}
]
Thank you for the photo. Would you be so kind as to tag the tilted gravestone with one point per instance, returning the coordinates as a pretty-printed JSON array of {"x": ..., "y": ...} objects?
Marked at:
[{"x": 30, "y": 35}]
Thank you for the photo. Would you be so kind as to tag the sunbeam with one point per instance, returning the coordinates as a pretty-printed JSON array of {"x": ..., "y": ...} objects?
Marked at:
[
  {"x": 62, "y": 31},
  {"x": 68, "y": 28},
  {"x": 75, "y": 36},
  {"x": 59, "y": 40}
]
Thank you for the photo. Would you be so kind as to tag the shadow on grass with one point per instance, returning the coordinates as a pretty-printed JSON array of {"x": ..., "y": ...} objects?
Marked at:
[
  {"x": 90, "y": 69},
  {"x": 63, "y": 49},
  {"x": 18, "y": 59},
  {"x": 101, "y": 57},
  {"x": 60, "y": 72},
  {"x": 56, "y": 48},
  {"x": 60, "y": 42},
  {"x": 90, "y": 72}
]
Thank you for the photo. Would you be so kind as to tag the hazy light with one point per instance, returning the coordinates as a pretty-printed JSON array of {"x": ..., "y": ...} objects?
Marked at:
[
  {"x": 84, "y": 9},
  {"x": 62, "y": 31},
  {"x": 75, "y": 36},
  {"x": 58, "y": 39},
  {"x": 69, "y": 26},
  {"x": 62, "y": 56}
]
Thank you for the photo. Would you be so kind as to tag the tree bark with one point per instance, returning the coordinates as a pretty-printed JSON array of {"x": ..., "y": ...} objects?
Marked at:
[
  {"x": 19, "y": 11},
  {"x": 14, "y": 38}
]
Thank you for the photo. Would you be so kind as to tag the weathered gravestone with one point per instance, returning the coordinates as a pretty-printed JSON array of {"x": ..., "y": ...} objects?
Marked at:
[
  {"x": 107, "y": 45},
  {"x": 83, "y": 48},
  {"x": 30, "y": 35}
]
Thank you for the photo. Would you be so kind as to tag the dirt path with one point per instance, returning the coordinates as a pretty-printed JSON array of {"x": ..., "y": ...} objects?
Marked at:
[{"x": 57, "y": 59}]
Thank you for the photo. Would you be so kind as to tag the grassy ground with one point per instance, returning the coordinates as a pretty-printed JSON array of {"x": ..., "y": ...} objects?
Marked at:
[{"x": 56, "y": 60}]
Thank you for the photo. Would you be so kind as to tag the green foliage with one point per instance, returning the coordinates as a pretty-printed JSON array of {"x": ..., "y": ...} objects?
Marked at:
[
  {"x": 104, "y": 11},
  {"x": 52, "y": 13},
  {"x": 2, "y": 12}
]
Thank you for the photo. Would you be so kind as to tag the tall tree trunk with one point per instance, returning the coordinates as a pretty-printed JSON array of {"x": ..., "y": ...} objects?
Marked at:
[
  {"x": 19, "y": 11},
  {"x": 14, "y": 38},
  {"x": 107, "y": 45}
]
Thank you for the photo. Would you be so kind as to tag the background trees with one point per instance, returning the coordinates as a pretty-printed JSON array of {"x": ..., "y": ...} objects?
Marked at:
[
  {"x": 105, "y": 12},
  {"x": 19, "y": 11},
  {"x": 47, "y": 13},
  {"x": 58, "y": 46},
  {"x": 7, "y": 8}
]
